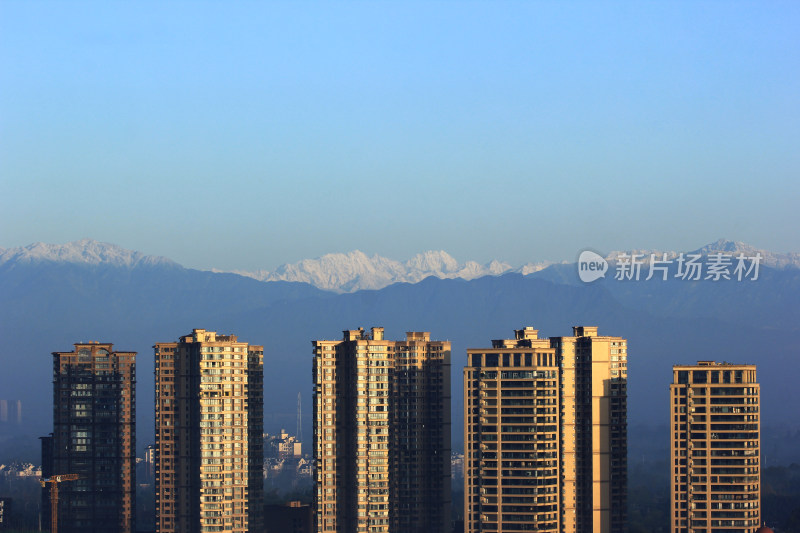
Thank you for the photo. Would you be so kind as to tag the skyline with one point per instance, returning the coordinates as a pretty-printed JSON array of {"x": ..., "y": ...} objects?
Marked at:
[
  {"x": 520, "y": 132},
  {"x": 354, "y": 271}
]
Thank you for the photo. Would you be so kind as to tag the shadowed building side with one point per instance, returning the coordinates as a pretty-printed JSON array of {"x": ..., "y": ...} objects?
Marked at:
[{"x": 94, "y": 437}]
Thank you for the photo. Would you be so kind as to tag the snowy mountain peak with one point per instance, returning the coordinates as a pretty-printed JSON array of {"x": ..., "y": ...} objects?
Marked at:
[
  {"x": 730, "y": 247},
  {"x": 353, "y": 271},
  {"x": 84, "y": 251},
  {"x": 336, "y": 271},
  {"x": 433, "y": 261},
  {"x": 770, "y": 259}
]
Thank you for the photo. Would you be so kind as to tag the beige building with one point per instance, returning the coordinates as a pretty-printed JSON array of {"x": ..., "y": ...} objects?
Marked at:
[
  {"x": 382, "y": 434},
  {"x": 209, "y": 447},
  {"x": 545, "y": 434},
  {"x": 715, "y": 459}
]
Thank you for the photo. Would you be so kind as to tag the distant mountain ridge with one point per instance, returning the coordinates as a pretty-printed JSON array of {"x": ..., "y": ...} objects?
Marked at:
[
  {"x": 770, "y": 259},
  {"x": 355, "y": 271},
  {"x": 84, "y": 251}
]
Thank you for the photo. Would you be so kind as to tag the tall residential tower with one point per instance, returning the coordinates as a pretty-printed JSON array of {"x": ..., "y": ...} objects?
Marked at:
[
  {"x": 94, "y": 436},
  {"x": 715, "y": 459},
  {"x": 209, "y": 447},
  {"x": 382, "y": 433},
  {"x": 545, "y": 438}
]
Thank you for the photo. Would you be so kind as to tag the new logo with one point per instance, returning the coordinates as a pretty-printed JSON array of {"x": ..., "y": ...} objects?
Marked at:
[{"x": 591, "y": 266}]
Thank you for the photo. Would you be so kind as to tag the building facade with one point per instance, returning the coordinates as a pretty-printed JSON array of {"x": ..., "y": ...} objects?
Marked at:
[
  {"x": 150, "y": 463},
  {"x": 382, "y": 433},
  {"x": 715, "y": 448},
  {"x": 291, "y": 517},
  {"x": 545, "y": 434},
  {"x": 594, "y": 436},
  {"x": 209, "y": 425},
  {"x": 6, "y": 519},
  {"x": 94, "y": 436}
]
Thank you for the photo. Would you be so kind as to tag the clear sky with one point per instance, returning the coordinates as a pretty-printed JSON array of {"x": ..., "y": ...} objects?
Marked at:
[{"x": 249, "y": 134}]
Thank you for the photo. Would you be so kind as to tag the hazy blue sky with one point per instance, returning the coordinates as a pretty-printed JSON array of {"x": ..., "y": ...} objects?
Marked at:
[{"x": 245, "y": 135}]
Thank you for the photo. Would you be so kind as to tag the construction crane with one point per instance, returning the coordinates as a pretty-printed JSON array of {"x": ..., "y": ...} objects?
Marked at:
[{"x": 54, "y": 481}]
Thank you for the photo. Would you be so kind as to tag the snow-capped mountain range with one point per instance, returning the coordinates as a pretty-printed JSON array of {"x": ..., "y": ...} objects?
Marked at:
[
  {"x": 356, "y": 270},
  {"x": 84, "y": 251},
  {"x": 349, "y": 272},
  {"x": 770, "y": 259}
]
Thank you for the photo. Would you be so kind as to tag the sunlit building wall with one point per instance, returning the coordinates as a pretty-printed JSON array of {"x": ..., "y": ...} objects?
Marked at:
[
  {"x": 209, "y": 422},
  {"x": 715, "y": 448}
]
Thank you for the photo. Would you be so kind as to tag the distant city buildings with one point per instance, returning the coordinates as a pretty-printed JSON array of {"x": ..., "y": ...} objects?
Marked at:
[
  {"x": 5, "y": 513},
  {"x": 282, "y": 446},
  {"x": 545, "y": 434},
  {"x": 286, "y": 468},
  {"x": 209, "y": 426},
  {"x": 150, "y": 463},
  {"x": 715, "y": 448},
  {"x": 457, "y": 467},
  {"x": 94, "y": 436},
  {"x": 382, "y": 433},
  {"x": 21, "y": 470},
  {"x": 20, "y": 493},
  {"x": 16, "y": 411}
]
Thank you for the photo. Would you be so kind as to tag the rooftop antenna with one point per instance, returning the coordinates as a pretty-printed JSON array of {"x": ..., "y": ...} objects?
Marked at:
[{"x": 299, "y": 419}]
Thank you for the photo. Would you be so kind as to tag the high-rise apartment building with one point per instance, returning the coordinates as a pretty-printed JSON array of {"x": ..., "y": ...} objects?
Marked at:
[
  {"x": 94, "y": 436},
  {"x": 545, "y": 434},
  {"x": 715, "y": 459},
  {"x": 594, "y": 436},
  {"x": 382, "y": 433},
  {"x": 209, "y": 422}
]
